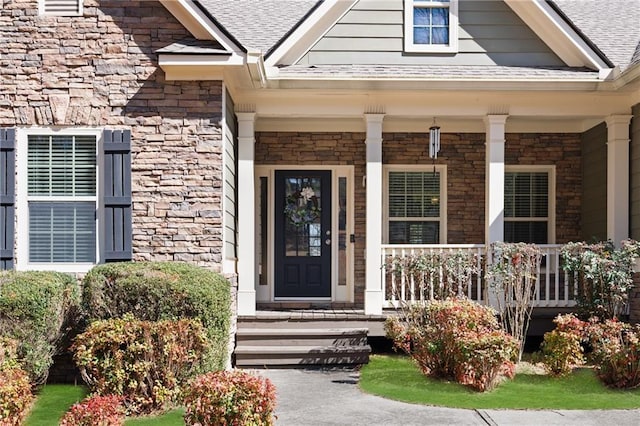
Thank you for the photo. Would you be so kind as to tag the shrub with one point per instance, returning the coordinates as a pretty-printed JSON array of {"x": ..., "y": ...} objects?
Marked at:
[
  {"x": 37, "y": 309},
  {"x": 15, "y": 394},
  {"x": 456, "y": 339},
  {"x": 8, "y": 350},
  {"x": 512, "y": 276},
  {"x": 616, "y": 352},
  {"x": 146, "y": 362},
  {"x": 96, "y": 411},
  {"x": 154, "y": 291},
  {"x": 230, "y": 398},
  {"x": 604, "y": 273},
  {"x": 561, "y": 347}
]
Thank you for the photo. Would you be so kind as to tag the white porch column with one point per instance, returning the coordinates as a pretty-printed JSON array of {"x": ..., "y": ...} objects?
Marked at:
[
  {"x": 618, "y": 177},
  {"x": 247, "y": 271},
  {"x": 373, "y": 291},
  {"x": 494, "y": 178}
]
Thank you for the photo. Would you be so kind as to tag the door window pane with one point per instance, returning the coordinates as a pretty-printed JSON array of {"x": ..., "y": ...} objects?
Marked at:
[{"x": 302, "y": 215}]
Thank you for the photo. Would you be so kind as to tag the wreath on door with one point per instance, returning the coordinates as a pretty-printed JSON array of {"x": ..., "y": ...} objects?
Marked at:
[{"x": 301, "y": 207}]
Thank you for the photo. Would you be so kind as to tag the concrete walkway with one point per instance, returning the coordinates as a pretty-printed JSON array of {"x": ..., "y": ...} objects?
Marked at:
[{"x": 332, "y": 397}]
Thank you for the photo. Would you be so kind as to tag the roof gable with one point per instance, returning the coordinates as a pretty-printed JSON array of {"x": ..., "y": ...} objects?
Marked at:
[{"x": 372, "y": 32}]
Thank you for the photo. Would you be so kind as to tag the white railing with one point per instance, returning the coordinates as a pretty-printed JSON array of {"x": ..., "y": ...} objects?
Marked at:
[{"x": 554, "y": 287}]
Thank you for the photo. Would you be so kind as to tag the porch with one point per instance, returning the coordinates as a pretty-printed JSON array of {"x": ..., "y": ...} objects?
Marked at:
[{"x": 466, "y": 201}]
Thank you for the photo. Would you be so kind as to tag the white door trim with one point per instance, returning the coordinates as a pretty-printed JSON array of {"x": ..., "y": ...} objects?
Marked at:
[{"x": 339, "y": 293}]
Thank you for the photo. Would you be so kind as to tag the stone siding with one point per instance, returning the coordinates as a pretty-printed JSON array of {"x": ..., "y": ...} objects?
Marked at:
[
  {"x": 100, "y": 70},
  {"x": 564, "y": 151},
  {"x": 463, "y": 154}
]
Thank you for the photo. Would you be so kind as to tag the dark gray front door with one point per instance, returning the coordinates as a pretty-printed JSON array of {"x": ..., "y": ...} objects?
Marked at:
[{"x": 303, "y": 233}]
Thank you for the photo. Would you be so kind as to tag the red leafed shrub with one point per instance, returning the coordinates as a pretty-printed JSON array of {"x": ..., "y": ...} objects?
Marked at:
[
  {"x": 230, "y": 398},
  {"x": 96, "y": 411},
  {"x": 15, "y": 394},
  {"x": 456, "y": 339},
  {"x": 146, "y": 362},
  {"x": 616, "y": 352},
  {"x": 561, "y": 348}
]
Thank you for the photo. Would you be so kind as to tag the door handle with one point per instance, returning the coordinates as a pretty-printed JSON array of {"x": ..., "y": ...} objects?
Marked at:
[{"x": 327, "y": 241}]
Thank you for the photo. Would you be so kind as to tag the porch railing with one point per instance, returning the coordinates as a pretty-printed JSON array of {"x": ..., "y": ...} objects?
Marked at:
[{"x": 554, "y": 287}]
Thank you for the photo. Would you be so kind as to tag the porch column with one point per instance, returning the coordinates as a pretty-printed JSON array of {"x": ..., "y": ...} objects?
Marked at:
[
  {"x": 618, "y": 139},
  {"x": 246, "y": 215},
  {"x": 373, "y": 291},
  {"x": 494, "y": 178}
]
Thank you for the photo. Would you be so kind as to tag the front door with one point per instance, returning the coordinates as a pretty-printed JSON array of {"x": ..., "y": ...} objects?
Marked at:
[{"x": 303, "y": 233}]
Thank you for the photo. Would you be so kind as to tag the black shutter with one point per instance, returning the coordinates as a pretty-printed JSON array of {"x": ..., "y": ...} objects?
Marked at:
[
  {"x": 7, "y": 196},
  {"x": 116, "y": 145}
]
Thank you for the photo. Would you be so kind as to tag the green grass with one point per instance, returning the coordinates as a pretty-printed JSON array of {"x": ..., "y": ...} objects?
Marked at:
[
  {"x": 396, "y": 377},
  {"x": 171, "y": 418},
  {"x": 52, "y": 402}
]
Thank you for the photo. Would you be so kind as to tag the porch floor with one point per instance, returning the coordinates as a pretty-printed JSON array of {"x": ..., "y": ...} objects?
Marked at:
[{"x": 316, "y": 314}]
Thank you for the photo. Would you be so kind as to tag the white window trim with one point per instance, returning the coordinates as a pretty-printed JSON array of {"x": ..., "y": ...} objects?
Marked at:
[
  {"x": 442, "y": 169},
  {"x": 551, "y": 215},
  {"x": 41, "y": 9},
  {"x": 410, "y": 46},
  {"x": 22, "y": 201}
]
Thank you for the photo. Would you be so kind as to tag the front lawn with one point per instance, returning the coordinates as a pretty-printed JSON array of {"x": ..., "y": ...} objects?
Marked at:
[
  {"x": 54, "y": 400},
  {"x": 397, "y": 377}
]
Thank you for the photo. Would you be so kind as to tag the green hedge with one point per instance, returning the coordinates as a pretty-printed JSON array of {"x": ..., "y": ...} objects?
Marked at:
[
  {"x": 155, "y": 291},
  {"x": 37, "y": 309}
]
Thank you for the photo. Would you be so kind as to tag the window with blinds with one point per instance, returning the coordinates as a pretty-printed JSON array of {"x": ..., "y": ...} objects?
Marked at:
[
  {"x": 414, "y": 211},
  {"x": 526, "y": 207},
  {"x": 61, "y": 7},
  {"x": 62, "y": 199}
]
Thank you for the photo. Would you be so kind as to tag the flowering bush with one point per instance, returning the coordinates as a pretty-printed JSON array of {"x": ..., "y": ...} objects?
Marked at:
[
  {"x": 15, "y": 394},
  {"x": 616, "y": 352},
  {"x": 456, "y": 339},
  {"x": 561, "y": 348},
  {"x": 512, "y": 275},
  {"x": 96, "y": 411},
  {"x": 230, "y": 398},
  {"x": 604, "y": 273},
  {"x": 146, "y": 362}
]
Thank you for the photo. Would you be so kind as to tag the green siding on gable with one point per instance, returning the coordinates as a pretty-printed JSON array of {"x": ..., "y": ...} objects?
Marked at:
[
  {"x": 635, "y": 173},
  {"x": 594, "y": 183},
  {"x": 490, "y": 33}
]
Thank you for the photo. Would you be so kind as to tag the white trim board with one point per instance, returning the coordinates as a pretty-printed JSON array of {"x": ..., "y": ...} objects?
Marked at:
[{"x": 345, "y": 293}]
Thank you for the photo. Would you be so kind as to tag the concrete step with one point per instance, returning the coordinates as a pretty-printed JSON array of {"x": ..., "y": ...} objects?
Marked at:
[
  {"x": 287, "y": 345},
  {"x": 301, "y": 337},
  {"x": 291, "y": 356}
]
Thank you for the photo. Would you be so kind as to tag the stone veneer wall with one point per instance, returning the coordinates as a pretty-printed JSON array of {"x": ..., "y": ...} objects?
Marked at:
[
  {"x": 100, "y": 70},
  {"x": 564, "y": 151},
  {"x": 464, "y": 155}
]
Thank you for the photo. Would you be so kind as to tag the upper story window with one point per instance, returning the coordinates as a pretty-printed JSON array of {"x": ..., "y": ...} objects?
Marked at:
[
  {"x": 528, "y": 204},
  {"x": 431, "y": 26},
  {"x": 60, "y": 7},
  {"x": 416, "y": 205}
]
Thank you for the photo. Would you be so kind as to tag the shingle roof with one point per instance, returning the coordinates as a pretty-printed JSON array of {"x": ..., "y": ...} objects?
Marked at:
[
  {"x": 193, "y": 46},
  {"x": 613, "y": 25},
  {"x": 435, "y": 72},
  {"x": 258, "y": 24}
]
